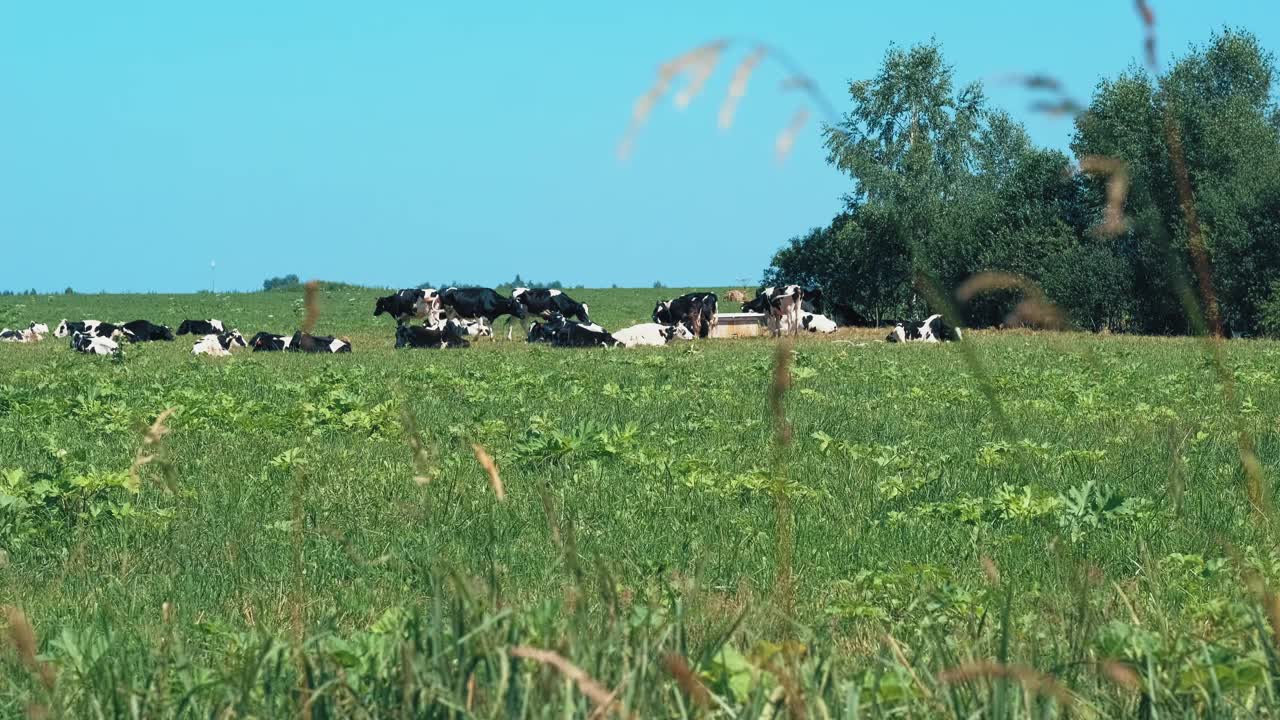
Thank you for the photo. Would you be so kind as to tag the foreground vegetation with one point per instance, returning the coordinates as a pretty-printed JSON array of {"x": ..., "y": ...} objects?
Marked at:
[{"x": 1050, "y": 524}]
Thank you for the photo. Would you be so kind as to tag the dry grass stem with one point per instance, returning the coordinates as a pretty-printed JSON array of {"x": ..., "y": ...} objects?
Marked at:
[
  {"x": 22, "y": 635},
  {"x": 787, "y": 138},
  {"x": 701, "y": 65},
  {"x": 667, "y": 72},
  {"x": 490, "y": 468},
  {"x": 690, "y": 685},
  {"x": 311, "y": 301},
  {"x": 738, "y": 86},
  {"x": 778, "y": 391},
  {"x": 1117, "y": 173},
  {"x": 423, "y": 467},
  {"x": 148, "y": 451},
  {"x": 586, "y": 685},
  {"x": 1121, "y": 674},
  {"x": 1036, "y": 683},
  {"x": 1149, "y": 27},
  {"x": 991, "y": 571}
]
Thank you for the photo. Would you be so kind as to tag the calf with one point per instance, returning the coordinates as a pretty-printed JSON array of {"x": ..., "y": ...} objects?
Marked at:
[
  {"x": 448, "y": 335},
  {"x": 266, "y": 342},
  {"x": 219, "y": 345},
  {"x": 407, "y": 304},
  {"x": 652, "y": 334},
  {"x": 143, "y": 331},
  {"x": 545, "y": 301},
  {"x": 95, "y": 328},
  {"x": 302, "y": 342},
  {"x": 201, "y": 327},
  {"x": 94, "y": 344},
  {"x": 697, "y": 310},
  {"x": 38, "y": 328},
  {"x": 931, "y": 329}
]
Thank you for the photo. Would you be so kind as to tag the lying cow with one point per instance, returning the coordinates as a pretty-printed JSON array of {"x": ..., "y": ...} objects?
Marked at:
[
  {"x": 546, "y": 332},
  {"x": 201, "y": 327},
  {"x": 546, "y": 301},
  {"x": 219, "y": 345},
  {"x": 38, "y": 328},
  {"x": 144, "y": 331},
  {"x": 931, "y": 329},
  {"x": 96, "y": 328},
  {"x": 438, "y": 319},
  {"x": 266, "y": 342},
  {"x": 94, "y": 344},
  {"x": 698, "y": 310},
  {"x": 407, "y": 304},
  {"x": 652, "y": 334},
  {"x": 302, "y": 342},
  {"x": 448, "y": 335},
  {"x": 809, "y": 322},
  {"x": 19, "y": 336}
]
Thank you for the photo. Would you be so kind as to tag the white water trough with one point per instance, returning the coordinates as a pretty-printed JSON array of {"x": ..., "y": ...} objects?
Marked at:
[{"x": 741, "y": 324}]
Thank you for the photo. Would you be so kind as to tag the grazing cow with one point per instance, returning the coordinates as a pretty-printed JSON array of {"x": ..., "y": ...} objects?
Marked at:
[
  {"x": 931, "y": 329},
  {"x": 94, "y": 344},
  {"x": 448, "y": 335},
  {"x": 143, "y": 331},
  {"x": 545, "y": 301},
  {"x": 407, "y": 304},
  {"x": 302, "y": 342},
  {"x": 697, "y": 310},
  {"x": 652, "y": 334},
  {"x": 219, "y": 345},
  {"x": 201, "y": 327},
  {"x": 95, "y": 328},
  {"x": 475, "y": 303},
  {"x": 266, "y": 342}
]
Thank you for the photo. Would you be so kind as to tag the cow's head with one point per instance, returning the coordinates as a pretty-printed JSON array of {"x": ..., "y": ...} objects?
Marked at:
[
  {"x": 232, "y": 337},
  {"x": 679, "y": 331},
  {"x": 62, "y": 330},
  {"x": 662, "y": 313},
  {"x": 898, "y": 333},
  {"x": 164, "y": 333},
  {"x": 39, "y": 328},
  {"x": 584, "y": 313},
  {"x": 518, "y": 309},
  {"x": 384, "y": 305}
]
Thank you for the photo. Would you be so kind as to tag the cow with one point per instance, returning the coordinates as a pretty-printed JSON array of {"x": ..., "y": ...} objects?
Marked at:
[
  {"x": 95, "y": 328},
  {"x": 407, "y": 304},
  {"x": 219, "y": 345},
  {"x": 266, "y": 342},
  {"x": 783, "y": 304},
  {"x": 698, "y": 310},
  {"x": 573, "y": 334},
  {"x": 144, "y": 331},
  {"x": 38, "y": 328},
  {"x": 474, "y": 303},
  {"x": 304, "y": 342},
  {"x": 448, "y": 335},
  {"x": 201, "y": 327},
  {"x": 811, "y": 322},
  {"x": 931, "y": 329},
  {"x": 545, "y": 301},
  {"x": 652, "y": 334},
  {"x": 546, "y": 332},
  {"x": 19, "y": 336},
  {"x": 94, "y": 344}
]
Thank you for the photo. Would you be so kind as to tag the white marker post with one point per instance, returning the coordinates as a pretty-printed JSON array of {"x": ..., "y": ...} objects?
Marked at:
[{"x": 213, "y": 276}]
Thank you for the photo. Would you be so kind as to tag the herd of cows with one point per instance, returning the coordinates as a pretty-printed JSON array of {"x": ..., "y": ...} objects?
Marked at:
[{"x": 452, "y": 316}]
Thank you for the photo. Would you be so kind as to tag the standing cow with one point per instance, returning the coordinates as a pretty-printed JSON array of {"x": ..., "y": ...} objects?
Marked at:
[
  {"x": 545, "y": 301},
  {"x": 407, "y": 304},
  {"x": 698, "y": 310}
]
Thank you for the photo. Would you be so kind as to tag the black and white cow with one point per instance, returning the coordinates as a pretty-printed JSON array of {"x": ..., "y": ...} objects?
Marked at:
[
  {"x": 266, "y": 342},
  {"x": 698, "y": 310},
  {"x": 809, "y": 322},
  {"x": 38, "y": 328},
  {"x": 652, "y": 334},
  {"x": 812, "y": 300},
  {"x": 448, "y": 335},
  {"x": 546, "y": 332},
  {"x": 474, "y": 303},
  {"x": 95, "y": 328},
  {"x": 407, "y": 304},
  {"x": 302, "y": 342},
  {"x": 219, "y": 345},
  {"x": 573, "y": 334},
  {"x": 144, "y": 331},
  {"x": 545, "y": 301},
  {"x": 783, "y": 304},
  {"x": 19, "y": 336},
  {"x": 201, "y": 327},
  {"x": 94, "y": 344},
  {"x": 931, "y": 329}
]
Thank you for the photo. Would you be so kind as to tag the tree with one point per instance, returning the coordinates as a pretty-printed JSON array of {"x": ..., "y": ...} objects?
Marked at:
[{"x": 288, "y": 282}]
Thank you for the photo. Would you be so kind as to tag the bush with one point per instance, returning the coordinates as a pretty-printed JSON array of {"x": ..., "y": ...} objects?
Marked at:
[{"x": 288, "y": 282}]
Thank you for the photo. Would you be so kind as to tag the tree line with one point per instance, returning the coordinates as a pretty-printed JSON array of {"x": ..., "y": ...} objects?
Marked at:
[{"x": 947, "y": 187}]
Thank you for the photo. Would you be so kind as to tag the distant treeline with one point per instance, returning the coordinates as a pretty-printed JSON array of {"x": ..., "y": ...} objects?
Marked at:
[
  {"x": 32, "y": 291},
  {"x": 946, "y": 187}
]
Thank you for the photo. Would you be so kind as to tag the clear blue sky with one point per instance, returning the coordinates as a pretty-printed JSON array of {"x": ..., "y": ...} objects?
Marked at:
[{"x": 393, "y": 143}]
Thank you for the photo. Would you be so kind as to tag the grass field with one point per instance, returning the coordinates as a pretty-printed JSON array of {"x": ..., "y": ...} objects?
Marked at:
[{"x": 1055, "y": 524}]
